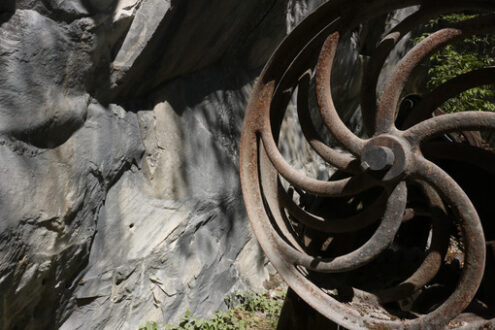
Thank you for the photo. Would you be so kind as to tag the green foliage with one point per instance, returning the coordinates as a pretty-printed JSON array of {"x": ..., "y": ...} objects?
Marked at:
[
  {"x": 461, "y": 57},
  {"x": 248, "y": 311},
  {"x": 149, "y": 326}
]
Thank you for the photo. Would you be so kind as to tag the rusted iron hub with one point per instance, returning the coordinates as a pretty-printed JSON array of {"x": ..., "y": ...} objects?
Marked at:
[
  {"x": 378, "y": 158},
  {"x": 396, "y": 239},
  {"x": 387, "y": 152}
]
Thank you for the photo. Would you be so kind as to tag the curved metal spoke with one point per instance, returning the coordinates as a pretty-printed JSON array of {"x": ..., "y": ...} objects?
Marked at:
[
  {"x": 381, "y": 239},
  {"x": 450, "y": 89},
  {"x": 324, "y": 96},
  {"x": 378, "y": 58},
  {"x": 338, "y": 159},
  {"x": 473, "y": 238},
  {"x": 344, "y": 187},
  {"x": 461, "y": 121},
  {"x": 269, "y": 181},
  {"x": 292, "y": 237},
  {"x": 388, "y": 102},
  {"x": 465, "y": 153},
  {"x": 433, "y": 260},
  {"x": 353, "y": 223}
]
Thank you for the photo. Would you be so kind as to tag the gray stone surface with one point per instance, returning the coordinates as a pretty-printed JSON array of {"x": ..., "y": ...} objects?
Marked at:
[{"x": 119, "y": 139}]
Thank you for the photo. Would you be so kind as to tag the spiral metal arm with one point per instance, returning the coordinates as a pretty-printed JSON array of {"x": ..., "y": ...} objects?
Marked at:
[{"x": 402, "y": 160}]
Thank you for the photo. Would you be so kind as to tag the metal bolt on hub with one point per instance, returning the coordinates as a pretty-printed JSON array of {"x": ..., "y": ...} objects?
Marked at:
[{"x": 379, "y": 158}]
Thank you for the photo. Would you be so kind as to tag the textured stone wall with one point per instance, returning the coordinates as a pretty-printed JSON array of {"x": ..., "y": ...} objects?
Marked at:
[
  {"x": 119, "y": 131},
  {"x": 120, "y": 124}
]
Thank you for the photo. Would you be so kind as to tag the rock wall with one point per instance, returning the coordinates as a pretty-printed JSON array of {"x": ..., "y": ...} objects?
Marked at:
[
  {"x": 119, "y": 133},
  {"x": 119, "y": 130}
]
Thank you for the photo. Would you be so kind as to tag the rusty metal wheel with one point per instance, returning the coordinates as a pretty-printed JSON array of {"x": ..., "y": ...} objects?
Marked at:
[{"x": 411, "y": 253}]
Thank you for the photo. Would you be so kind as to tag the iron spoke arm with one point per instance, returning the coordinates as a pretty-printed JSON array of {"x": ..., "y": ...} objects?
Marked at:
[
  {"x": 435, "y": 256},
  {"x": 450, "y": 89},
  {"x": 461, "y": 121},
  {"x": 462, "y": 152},
  {"x": 381, "y": 239},
  {"x": 324, "y": 97},
  {"x": 388, "y": 102},
  {"x": 344, "y": 187},
  {"x": 353, "y": 223},
  {"x": 338, "y": 159},
  {"x": 473, "y": 237},
  {"x": 378, "y": 58}
]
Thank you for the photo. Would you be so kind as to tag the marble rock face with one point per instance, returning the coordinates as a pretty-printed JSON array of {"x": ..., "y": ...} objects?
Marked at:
[{"x": 120, "y": 124}]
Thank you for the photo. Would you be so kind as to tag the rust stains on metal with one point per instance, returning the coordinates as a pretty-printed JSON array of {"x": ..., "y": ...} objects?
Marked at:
[{"x": 363, "y": 258}]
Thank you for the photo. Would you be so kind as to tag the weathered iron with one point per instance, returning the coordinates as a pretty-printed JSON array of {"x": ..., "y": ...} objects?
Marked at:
[{"x": 343, "y": 266}]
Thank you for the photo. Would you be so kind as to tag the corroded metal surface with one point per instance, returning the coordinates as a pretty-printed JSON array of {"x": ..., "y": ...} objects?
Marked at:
[{"x": 410, "y": 250}]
